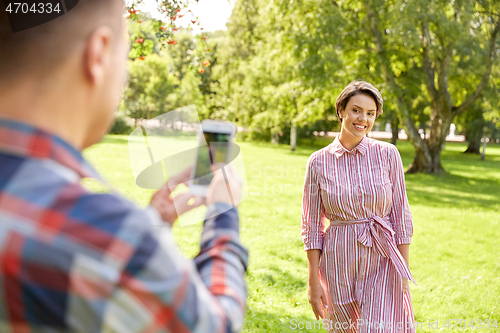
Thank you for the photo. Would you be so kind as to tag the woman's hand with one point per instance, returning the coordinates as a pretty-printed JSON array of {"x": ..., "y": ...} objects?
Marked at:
[
  {"x": 316, "y": 294},
  {"x": 406, "y": 285},
  {"x": 404, "y": 249},
  {"x": 317, "y": 299}
]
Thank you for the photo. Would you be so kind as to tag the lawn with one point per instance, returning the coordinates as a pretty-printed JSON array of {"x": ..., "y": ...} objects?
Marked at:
[{"x": 454, "y": 256}]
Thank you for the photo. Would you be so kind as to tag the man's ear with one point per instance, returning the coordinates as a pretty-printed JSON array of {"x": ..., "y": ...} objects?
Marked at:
[{"x": 97, "y": 54}]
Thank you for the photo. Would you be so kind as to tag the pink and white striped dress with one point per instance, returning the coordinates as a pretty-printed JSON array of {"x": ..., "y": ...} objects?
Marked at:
[{"x": 356, "y": 211}]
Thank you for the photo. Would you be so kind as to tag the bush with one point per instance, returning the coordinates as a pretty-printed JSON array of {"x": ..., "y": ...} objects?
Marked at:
[{"x": 121, "y": 126}]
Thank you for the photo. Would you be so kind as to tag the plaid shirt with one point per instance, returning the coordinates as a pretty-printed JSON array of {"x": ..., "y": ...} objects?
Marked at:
[{"x": 75, "y": 261}]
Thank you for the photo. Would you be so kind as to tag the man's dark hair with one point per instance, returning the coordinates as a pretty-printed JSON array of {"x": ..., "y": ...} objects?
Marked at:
[{"x": 40, "y": 49}]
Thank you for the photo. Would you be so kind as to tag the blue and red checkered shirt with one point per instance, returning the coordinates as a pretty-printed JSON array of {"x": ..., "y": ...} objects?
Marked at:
[{"x": 75, "y": 261}]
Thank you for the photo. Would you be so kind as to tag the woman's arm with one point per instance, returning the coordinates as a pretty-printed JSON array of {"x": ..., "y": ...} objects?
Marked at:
[
  {"x": 400, "y": 214},
  {"x": 313, "y": 265},
  {"x": 405, "y": 252},
  {"x": 317, "y": 297},
  {"x": 312, "y": 232},
  {"x": 313, "y": 212}
]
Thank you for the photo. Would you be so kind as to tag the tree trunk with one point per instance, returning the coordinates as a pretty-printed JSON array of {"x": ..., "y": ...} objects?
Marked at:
[
  {"x": 428, "y": 152},
  {"x": 274, "y": 136},
  {"x": 394, "y": 128},
  {"x": 428, "y": 156},
  {"x": 474, "y": 131},
  {"x": 473, "y": 147},
  {"x": 427, "y": 162},
  {"x": 293, "y": 137},
  {"x": 483, "y": 152}
]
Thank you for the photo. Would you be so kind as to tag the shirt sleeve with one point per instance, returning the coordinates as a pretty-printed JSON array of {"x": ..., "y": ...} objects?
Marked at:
[
  {"x": 400, "y": 215},
  {"x": 313, "y": 214},
  {"x": 160, "y": 290}
]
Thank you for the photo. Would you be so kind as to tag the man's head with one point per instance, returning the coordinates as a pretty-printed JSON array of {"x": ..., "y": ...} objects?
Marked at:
[{"x": 66, "y": 75}]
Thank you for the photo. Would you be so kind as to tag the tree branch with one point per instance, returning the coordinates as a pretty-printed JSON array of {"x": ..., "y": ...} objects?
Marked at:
[
  {"x": 401, "y": 105},
  {"x": 443, "y": 76},
  {"x": 488, "y": 13},
  {"x": 486, "y": 76},
  {"x": 442, "y": 71},
  {"x": 428, "y": 70}
]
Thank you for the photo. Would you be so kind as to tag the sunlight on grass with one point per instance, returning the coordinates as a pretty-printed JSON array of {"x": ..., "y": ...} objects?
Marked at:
[{"x": 455, "y": 256}]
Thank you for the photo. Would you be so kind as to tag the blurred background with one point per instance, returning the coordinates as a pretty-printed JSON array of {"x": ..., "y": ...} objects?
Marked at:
[{"x": 275, "y": 68}]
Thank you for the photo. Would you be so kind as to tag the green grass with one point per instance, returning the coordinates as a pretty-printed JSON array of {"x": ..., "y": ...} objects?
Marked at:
[{"x": 455, "y": 251}]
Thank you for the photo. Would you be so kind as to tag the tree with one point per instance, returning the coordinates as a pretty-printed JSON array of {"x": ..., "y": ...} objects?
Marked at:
[
  {"x": 150, "y": 89},
  {"x": 446, "y": 41},
  {"x": 158, "y": 31},
  {"x": 262, "y": 85},
  {"x": 171, "y": 66},
  {"x": 430, "y": 55},
  {"x": 474, "y": 123},
  {"x": 286, "y": 62},
  {"x": 143, "y": 38},
  {"x": 482, "y": 114}
]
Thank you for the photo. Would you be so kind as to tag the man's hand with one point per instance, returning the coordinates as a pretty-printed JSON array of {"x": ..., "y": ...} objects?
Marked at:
[
  {"x": 171, "y": 208},
  {"x": 225, "y": 186}
]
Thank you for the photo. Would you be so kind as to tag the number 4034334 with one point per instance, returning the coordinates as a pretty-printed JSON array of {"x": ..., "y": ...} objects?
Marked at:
[
  {"x": 25, "y": 8},
  {"x": 473, "y": 324}
]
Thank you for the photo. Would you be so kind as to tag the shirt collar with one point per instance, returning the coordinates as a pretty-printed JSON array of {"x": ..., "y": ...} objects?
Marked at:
[
  {"x": 27, "y": 141},
  {"x": 337, "y": 149}
]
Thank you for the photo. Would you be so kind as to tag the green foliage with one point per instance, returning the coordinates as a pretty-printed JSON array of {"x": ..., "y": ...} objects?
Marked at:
[
  {"x": 150, "y": 89},
  {"x": 145, "y": 31},
  {"x": 285, "y": 62},
  {"x": 163, "y": 77},
  {"x": 121, "y": 125},
  {"x": 281, "y": 65},
  {"x": 181, "y": 56},
  {"x": 484, "y": 113},
  {"x": 290, "y": 59},
  {"x": 162, "y": 29}
]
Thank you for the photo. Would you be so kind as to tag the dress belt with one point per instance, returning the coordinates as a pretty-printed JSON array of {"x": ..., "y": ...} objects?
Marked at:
[{"x": 379, "y": 235}]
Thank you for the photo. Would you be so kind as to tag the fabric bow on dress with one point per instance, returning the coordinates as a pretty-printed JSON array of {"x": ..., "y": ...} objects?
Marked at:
[{"x": 378, "y": 235}]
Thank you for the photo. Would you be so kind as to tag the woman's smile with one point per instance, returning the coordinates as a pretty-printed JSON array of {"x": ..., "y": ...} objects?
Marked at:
[
  {"x": 357, "y": 119},
  {"x": 360, "y": 128}
]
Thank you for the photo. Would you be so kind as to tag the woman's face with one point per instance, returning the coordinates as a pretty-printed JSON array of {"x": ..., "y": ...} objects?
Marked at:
[{"x": 359, "y": 115}]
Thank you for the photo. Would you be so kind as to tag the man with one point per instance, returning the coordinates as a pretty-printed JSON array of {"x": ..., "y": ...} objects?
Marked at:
[{"x": 75, "y": 261}]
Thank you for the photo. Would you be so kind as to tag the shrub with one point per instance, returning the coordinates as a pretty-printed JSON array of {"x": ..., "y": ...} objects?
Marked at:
[{"x": 121, "y": 126}]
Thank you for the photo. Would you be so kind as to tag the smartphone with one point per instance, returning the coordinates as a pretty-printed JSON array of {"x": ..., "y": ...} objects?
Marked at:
[{"x": 218, "y": 137}]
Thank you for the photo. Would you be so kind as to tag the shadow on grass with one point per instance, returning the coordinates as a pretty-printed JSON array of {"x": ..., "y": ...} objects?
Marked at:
[
  {"x": 115, "y": 139},
  {"x": 280, "y": 287},
  {"x": 277, "y": 277},
  {"x": 454, "y": 189},
  {"x": 262, "y": 321},
  {"x": 430, "y": 199}
]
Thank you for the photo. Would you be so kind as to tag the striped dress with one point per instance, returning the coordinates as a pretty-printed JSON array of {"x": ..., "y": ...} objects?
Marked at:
[{"x": 356, "y": 211}]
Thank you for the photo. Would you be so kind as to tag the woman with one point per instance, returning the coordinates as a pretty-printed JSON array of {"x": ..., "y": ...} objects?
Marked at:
[{"x": 355, "y": 188}]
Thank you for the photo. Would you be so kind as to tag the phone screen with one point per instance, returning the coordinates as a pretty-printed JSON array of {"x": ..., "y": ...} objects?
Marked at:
[{"x": 214, "y": 152}]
